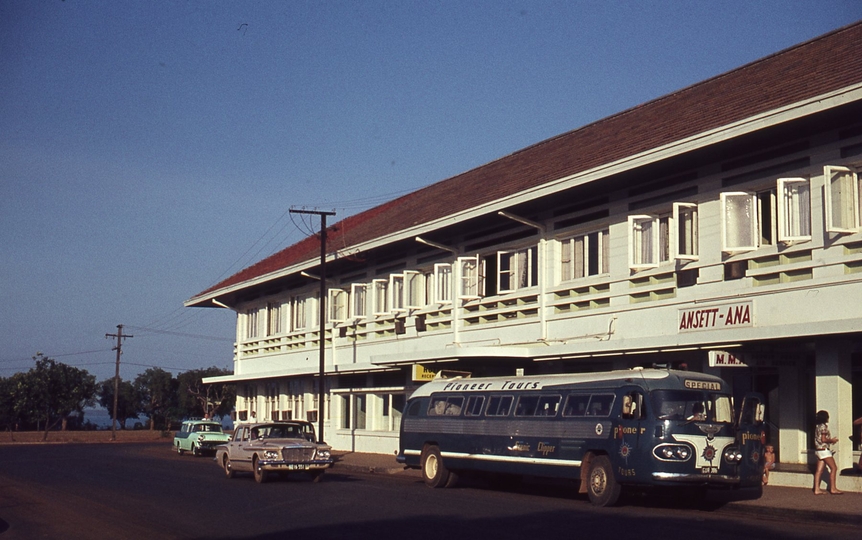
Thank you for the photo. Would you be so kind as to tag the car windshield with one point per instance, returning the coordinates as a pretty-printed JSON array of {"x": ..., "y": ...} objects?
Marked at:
[
  {"x": 691, "y": 406},
  {"x": 280, "y": 431},
  {"x": 210, "y": 428}
]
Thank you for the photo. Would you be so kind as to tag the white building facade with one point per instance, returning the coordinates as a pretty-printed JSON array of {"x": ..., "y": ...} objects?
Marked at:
[{"x": 719, "y": 228}]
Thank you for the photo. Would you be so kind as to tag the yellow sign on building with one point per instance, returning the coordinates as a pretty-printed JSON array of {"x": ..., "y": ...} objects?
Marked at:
[{"x": 422, "y": 374}]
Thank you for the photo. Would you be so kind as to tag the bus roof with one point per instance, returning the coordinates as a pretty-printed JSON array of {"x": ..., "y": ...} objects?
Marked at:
[{"x": 646, "y": 378}]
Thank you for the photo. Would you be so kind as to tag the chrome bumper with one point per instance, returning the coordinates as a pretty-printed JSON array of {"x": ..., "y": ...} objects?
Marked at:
[
  {"x": 695, "y": 478},
  {"x": 281, "y": 465}
]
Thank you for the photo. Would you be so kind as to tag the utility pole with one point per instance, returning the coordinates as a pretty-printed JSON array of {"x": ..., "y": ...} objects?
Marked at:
[
  {"x": 119, "y": 348},
  {"x": 320, "y": 388}
]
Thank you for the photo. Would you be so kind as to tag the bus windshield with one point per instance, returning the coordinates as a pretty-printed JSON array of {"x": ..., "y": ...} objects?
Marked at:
[{"x": 684, "y": 405}]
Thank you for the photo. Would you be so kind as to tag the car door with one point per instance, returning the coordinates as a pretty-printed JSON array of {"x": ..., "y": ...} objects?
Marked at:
[
  {"x": 182, "y": 437},
  {"x": 237, "y": 451}
]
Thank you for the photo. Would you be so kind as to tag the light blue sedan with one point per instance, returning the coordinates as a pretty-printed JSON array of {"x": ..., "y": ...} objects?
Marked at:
[{"x": 198, "y": 436}]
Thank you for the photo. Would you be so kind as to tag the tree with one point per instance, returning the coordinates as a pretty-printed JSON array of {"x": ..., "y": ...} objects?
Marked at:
[
  {"x": 208, "y": 400},
  {"x": 51, "y": 391},
  {"x": 128, "y": 400},
  {"x": 8, "y": 414},
  {"x": 157, "y": 391}
]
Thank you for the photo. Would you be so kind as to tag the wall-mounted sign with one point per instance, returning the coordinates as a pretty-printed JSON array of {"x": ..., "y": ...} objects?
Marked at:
[
  {"x": 422, "y": 374},
  {"x": 772, "y": 359},
  {"x": 727, "y": 359},
  {"x": 738, "y": 315}
]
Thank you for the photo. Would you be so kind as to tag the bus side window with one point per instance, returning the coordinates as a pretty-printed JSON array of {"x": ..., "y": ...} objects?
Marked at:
[
  {"x": 527, "y": 405},
  {"x": 413, "y": 410},
  {"x": 474, "y": 405},
  {"x": 438, "y": 406},
  {"x": 548, "y": 406},
  {"x": 441, "y": 406},
  {"x": 576, "y": 405},
  {"x": 600, "y": 405},
  {"x": 453, "y": 406},
  {"x": 499, "y": 406}
]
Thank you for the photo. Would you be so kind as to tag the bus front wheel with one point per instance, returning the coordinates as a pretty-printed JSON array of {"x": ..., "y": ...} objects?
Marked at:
[
  {"x": 602, "y": 488},
  {"x": 434, "y": 473}
]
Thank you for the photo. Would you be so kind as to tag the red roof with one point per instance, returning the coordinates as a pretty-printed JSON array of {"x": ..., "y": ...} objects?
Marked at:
[{"x": 829, "y": 62}]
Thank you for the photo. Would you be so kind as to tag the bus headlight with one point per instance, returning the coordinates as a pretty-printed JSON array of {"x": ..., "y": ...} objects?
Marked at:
[
  {"x": 672, "y": 452},
  {"x": 733, "y": 455}
]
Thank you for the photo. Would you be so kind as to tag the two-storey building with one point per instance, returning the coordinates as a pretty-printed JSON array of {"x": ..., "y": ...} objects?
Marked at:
[{"x": 717, "y": 227}]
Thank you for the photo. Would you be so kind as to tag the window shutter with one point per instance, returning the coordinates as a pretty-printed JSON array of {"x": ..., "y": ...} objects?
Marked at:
[
  {"x": 739, "y": 230},
  {"x": 794, "y": 210},
  {"x": 842, "y": 200},
  {"x": 643, "y": 242},
  {"x": 684, "y": 233}
]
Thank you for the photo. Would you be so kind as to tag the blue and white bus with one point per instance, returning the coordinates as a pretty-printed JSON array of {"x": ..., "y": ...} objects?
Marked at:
[{"x": 643, "y": 427}]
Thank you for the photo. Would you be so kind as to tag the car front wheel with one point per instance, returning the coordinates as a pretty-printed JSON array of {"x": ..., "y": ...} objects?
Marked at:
[
  {"x": 228, "y": 470},
  {"x": 180, "y": 450},
  {"x": 260, "y": 475}
]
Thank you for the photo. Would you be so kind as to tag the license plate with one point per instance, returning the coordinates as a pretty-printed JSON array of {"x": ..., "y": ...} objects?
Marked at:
[
  {"x": 297, "y": 467},
  {"x": 709, "y": 470}
]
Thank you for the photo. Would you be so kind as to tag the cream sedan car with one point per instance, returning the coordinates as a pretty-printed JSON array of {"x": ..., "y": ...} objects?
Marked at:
[{"x": 274, "y": 448}]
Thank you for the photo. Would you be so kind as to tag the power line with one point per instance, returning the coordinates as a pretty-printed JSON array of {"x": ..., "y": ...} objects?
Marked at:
[
  {"x": 361, "y": 203},
  {"x": 54, "y": 355},
  {"x": 180, "y": 334},
  {"x": 166, "y": 368}
]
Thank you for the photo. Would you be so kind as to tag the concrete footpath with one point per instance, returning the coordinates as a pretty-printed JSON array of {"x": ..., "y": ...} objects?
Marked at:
[{"x": 776, "y": 502}]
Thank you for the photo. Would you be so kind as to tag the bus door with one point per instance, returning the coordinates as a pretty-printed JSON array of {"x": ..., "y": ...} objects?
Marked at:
[
  {"x": 750, "y": 437},
  {"x": 629, "y": 434}
]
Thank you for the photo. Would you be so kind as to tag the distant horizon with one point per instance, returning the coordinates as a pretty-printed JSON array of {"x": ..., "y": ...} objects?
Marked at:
[{"x": 102, "y": 418}]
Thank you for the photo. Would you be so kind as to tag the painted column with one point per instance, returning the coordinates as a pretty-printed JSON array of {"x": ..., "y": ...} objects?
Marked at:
[
  {"x": 834, "y": 394},
  {"x": 792, "y": 440}
]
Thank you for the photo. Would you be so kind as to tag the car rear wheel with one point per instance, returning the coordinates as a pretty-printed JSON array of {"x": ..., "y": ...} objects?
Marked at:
[
  {"x": 260, "y": 475},
  {"x": 228, "y": 470}
]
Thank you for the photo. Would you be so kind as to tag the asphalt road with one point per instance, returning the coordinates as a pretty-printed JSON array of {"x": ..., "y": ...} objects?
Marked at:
[{"x": 118, "y": 491}]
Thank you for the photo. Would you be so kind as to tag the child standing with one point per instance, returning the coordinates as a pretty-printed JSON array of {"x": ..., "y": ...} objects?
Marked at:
[{"x": 768, "y": 462}]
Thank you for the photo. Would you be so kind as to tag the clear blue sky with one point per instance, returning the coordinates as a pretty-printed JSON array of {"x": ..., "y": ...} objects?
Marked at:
[{"x": 150, "y": 149}]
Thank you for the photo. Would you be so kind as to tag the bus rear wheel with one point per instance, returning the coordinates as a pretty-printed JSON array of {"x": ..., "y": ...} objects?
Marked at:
[
  {"x": 602, "y": 487},
  {"x": 434, "y": 472}
]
